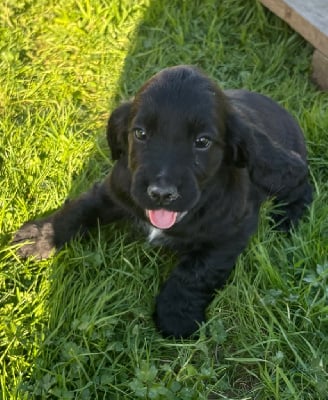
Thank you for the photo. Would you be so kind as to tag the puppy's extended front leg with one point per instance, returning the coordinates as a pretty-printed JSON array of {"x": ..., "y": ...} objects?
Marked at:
[
  {"x": 182, "y": 302},
  {"x": 41, "y": 237}
]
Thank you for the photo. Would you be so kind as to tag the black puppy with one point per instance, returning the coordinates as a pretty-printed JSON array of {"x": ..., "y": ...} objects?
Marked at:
[{"x": 194, "y": 164}]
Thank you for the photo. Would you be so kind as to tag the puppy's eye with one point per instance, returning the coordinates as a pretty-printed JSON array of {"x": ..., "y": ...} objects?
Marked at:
[
  {"x": 202, "y": 142},
  {"x": 140, "y": 134}
]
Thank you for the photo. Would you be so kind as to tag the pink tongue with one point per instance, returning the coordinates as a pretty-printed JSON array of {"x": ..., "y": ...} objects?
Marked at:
[{"x": 162, "y": 219}]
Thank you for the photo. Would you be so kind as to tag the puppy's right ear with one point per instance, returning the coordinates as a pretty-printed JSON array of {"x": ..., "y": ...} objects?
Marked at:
[
  {"x": 117, "y": 130},
  {"x": 271, "y": 166}
]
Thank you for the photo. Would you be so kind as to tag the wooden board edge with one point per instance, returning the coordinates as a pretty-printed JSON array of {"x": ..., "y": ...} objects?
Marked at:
[
  {"x": 300, "y": 24},
  {"x": 320, "y": 70}
]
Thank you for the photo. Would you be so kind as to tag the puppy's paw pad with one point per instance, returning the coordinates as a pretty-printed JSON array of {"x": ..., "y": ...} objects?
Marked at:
[{"x": 35, "y": 239}]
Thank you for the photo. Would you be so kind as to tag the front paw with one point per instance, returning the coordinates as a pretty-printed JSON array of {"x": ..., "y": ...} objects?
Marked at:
[
  {"x": 35, "y": 239},
  {"x": 179, "y": 310}
]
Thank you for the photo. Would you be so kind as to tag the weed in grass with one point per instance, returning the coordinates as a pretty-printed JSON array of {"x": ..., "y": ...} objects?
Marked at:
[{"x": 79, "y": 326}]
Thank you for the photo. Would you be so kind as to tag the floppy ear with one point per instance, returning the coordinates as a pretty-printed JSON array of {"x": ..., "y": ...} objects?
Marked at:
[
  {"x": 117, "y": 130},
  {"x": 270, "y": 166}
]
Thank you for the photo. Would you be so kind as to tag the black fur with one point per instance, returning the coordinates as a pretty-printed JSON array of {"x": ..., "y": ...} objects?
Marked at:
[{"x": 213, "y": 156}]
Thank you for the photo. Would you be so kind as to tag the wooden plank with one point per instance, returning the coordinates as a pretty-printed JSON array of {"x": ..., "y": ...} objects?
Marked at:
[
  {"x": 320, "y": 69},
  {"x": 314, "y": 11},
  {"x": 308, "y": 18}
]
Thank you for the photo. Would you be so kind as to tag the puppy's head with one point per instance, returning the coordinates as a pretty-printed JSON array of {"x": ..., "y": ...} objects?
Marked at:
[{"x": 172, "y": 134}]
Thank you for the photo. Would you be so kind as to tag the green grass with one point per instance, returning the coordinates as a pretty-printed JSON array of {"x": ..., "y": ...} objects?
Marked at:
[{"x": 79, "y": 325}]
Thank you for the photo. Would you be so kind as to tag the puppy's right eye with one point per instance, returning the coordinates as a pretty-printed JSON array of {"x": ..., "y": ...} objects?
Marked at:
[
  {"x": 140, "y": 134},
  {"x": 203, "y": 142}
]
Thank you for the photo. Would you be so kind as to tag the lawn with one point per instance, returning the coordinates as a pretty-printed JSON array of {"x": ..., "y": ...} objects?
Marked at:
[{"x": 79, "y": 326}]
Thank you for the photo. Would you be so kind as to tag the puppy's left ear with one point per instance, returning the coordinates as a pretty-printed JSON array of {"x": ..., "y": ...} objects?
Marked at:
[
  {"x": 117, "y": 130},
  {"x": 270, "y": 166}
]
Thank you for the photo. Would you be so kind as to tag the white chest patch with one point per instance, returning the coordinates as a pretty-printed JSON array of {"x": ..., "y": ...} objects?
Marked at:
[{"x": 155, "y": 234}]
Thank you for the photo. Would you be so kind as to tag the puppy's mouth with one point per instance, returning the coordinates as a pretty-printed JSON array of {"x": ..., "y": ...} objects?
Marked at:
[{"x": 164, "y": 219}]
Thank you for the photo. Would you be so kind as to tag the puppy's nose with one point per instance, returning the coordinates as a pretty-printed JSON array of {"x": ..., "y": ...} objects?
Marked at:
[{"x": 162, "y": 195}]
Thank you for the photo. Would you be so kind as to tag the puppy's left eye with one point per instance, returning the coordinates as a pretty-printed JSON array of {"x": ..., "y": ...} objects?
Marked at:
[
  {"x": 203, "y": 142},
  {"x": 140, "y": 134}
]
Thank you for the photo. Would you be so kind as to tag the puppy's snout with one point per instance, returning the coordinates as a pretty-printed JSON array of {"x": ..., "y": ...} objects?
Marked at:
[{"x": 162, "y": 195}]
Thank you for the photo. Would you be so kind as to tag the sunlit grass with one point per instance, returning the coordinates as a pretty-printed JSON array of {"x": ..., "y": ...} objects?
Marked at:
[{"x": 79, "y": 326}]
